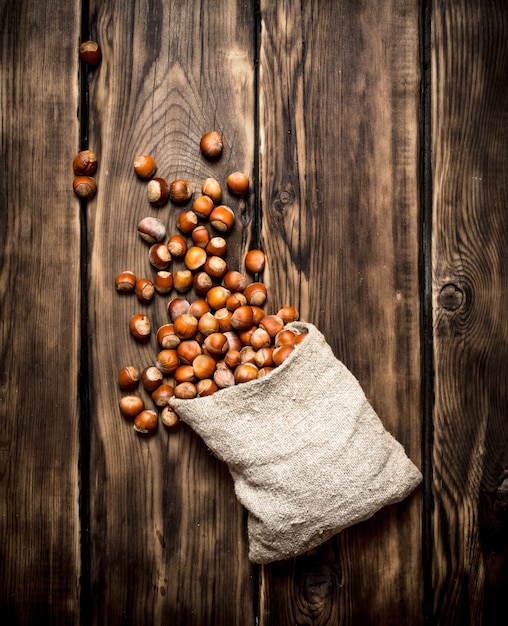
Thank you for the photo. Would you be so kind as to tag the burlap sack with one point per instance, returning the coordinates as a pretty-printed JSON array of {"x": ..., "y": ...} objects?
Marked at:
[{"x": 307, "y": 453}]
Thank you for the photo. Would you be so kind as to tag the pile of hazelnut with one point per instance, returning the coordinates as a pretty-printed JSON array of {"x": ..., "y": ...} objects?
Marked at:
[{"x": 220, "y": 337}]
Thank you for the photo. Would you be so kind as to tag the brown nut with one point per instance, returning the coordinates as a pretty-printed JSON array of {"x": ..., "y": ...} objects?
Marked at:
[
  {"x": 180, "y": 191},
  {"x": 157, "y": 191},
  {"x": 254, "y": 261},
  {"x": 85, "y": 163},
  {"x": 186, "y": 390},
  {"x": 146, "y": 422},
  {"x": 167, "y": 361},
  {"x": 217, "y": 246},
  {"x": 90, "y": 52},
  {"x": 159, "y": 256},
  {"x": 182, "y": 280},
  {"x": 203, "y": 206},
  {"x": 152, "y": 230},
  {"x": 125, "y": 282},
  {"x": 211, "y": 145},
  {"x": 128, "y": 377},
  {"x": 131, "y": 405},
  {"x": 222, "y": 218},
  {"x": 140, "y": 327},
  {"x": 145, "y": 290},
  {"x": 166, "y": 337},
  {"x": 195, "y": 258},
  {"x": 238, "y": 183},
  {"x": 211, "y": 187},
  {"x": 288, "y": 314},
  {"x": 169, "y": 417},
  {"x": 162, "y": 395},
  {"x": 151, "y": 378},
  {"x": 256, "y": 294},
  {"x": 177, "y": 306},
  {"x": 187, "y": 221},
  {"x": 163, "y": 282},
  {"x": 145, "y": 166},
  {"x": 177, "y": 246},
  {"x": 84, "y": 187}
]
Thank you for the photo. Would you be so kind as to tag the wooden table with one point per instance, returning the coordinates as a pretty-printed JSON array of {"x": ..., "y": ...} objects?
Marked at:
[{"x": 375, "y": 135}]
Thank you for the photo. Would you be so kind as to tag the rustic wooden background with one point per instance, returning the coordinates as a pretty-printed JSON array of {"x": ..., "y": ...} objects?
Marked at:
[{"x": 376, "y": 138}]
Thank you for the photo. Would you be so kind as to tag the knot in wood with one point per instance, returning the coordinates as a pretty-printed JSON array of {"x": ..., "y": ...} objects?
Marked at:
[
  {"x": 285, "y": 197},
  {"x": 451, "y": 297}
]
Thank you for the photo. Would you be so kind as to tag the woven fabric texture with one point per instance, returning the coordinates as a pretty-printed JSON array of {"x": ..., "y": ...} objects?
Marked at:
[{"x": 308, "y": 454}]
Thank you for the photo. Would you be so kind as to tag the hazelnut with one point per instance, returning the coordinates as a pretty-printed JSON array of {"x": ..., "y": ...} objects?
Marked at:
[
  {"x": 245, "y": 372},
  {"x": 184, "y": 374},
  {"x": 177, "y": 246},
  {"x": 187, "y": 221},
  {"x": 162, "y": 394},
  {"x": 217, "y": 246},
  {"x": 288, "y": 314},
  {"x": 125, "y": 282},
  {"x": 84, "y": 187},
  {"x": 186, "y": 326},
  {"x": 186, "y": 390},
  {"x": 195, "y": 258},
  {"x": 180, "y": 191},
  {"x": 128, "y": 377},
  {"x": 238, "y": 183},
  {"x": 254, "y": 261},
  {"x": 90, "y": 52},
  {"x": 145, "y": 290},
  {"x": 163, "y": 282},
  {"x": 202, "y": 283},
  {"x": 151, "y": 378},
  {"x": 203, "y": 206},
  {"x": 140, "y": 327},
  {"x": 169, "y": 417},
  {"x": 211, "y": 145},
  {"x": 166, "y": 337},
  {"x": 242, "y": 318},
  {"x": 130, "y": 406},
  {"x": 177, "y": 306},
  {"x": 256, "y": 294},
  {"x": 157, "y": 191},
  {"x": 200, "y": 236},
  {"x": 152, "y": 230},
  {"x": 146, "y": 422},
  {"x": 167, "y": 361},
  {"x": 203, "y": 366},
  {"x": 145, "y": 166},
  {"x": 182, "y": 280},
  {"x": 85, "y": 163},
  {"x": 188, "y": 350},
  {"x": 159, "y": 256},
  {"x": 222, "y": 218},
  {"x": 206, "y": 387},
  {"x": 211, "y": 187}
]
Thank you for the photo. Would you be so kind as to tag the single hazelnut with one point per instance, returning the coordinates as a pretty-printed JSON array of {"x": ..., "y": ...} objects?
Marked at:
[
  {"x": 157, "y": 191},
  {"x": 186, "y": 390},
  {"x": 151, "y": 378},
  {"x": 217, "y": 246},
  {"x": 90, "y": 52},
  {"x": 211, "y": 187},
  {"x": 85, "y": 163},
  {"x": 145, "y": 290},
  {"x": 131, "y": 405},
  {"x": 125, "y": 282},
  {"x": 159, "y": 256},
  {"x": 163, "y": 281},
  {"x": 203, "y": 206},
  {"x": 128, "y": 377},
  {"x": 180, "y": 191},
  {"x": 169, "y": 417},
  {"x": 140, "y": 327},
  {"x": 238, "y": 183},
  {"x": 211, "y": 145},
  {"x": 145, "y": 166},
  {"x": 84, "y": 187},
  {"x": 146, "y": 422},
  {"x": 177, "y": 246},
  {"x": 162, "y": 394},
  {"x": 152, "y": 230},
  {"x": 222, "y": 218},
  {"x": 254, "y": 261}
]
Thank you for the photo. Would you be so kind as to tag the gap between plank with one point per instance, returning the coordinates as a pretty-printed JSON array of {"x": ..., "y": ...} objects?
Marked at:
[
  {"x": 426, "y": 329},
  {"x": 85, "y": 599}
]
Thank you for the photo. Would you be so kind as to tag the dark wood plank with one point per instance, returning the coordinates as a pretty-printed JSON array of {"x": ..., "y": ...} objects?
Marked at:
[
  {"x": 169, "y": 537},
  {"x": 39, "y": 270},
  {"x": 470, "y": 254},
  {"x": 339, "y": 93}
]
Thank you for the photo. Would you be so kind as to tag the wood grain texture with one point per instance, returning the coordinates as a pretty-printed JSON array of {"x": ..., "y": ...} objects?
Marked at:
[
  {"x": 168, "y": 535},
  {"x": 39, "y": 345},
  {"x": 470, "y": 248},
  {"x": 338, "y": 173}
]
